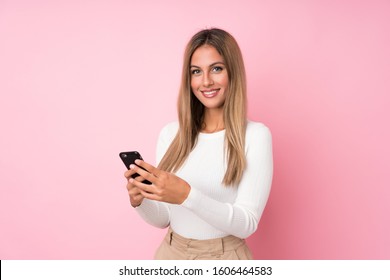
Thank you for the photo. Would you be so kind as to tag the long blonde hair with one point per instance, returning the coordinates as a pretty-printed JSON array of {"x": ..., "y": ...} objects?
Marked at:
[{"x": 191, "y": 110}]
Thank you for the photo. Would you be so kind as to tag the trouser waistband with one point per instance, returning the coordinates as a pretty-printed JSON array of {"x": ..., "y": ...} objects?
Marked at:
[{"x": 195, "y": 246}]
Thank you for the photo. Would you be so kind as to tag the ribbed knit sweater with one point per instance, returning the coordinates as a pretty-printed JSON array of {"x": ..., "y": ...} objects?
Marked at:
[{"x": 211, "y": 209}]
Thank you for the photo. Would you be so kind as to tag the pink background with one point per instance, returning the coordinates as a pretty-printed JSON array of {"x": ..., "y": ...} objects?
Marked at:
[{"x": 81, "y": 81}]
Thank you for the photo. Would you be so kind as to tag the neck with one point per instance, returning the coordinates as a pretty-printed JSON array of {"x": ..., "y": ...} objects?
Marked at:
[{"x": 213, "y": 121}]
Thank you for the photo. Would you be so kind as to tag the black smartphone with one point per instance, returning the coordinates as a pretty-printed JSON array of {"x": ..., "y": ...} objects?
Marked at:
[{"x": 129, "y": 158}]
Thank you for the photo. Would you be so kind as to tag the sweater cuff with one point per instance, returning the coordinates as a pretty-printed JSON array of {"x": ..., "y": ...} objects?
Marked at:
[
  {"x": 193, "y": 199},
  {"x": 143, "y": 206}
]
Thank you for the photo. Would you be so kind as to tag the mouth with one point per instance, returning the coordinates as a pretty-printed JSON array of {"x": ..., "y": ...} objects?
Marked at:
[{"x": 210, "y": 93}]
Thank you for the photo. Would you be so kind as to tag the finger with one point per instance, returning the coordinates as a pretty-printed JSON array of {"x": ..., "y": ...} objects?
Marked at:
[
  {"x": 143, "y": 187},
  {"x": 129, "y": 173},
  {"x": 136, "y": 201},
  {"x": 150, "y": 196},
  {"x": 134, "y": 175},
  {"x": 145, "y": 174},
  {"x": 139, "y": 178},
  {"x": 150, "y": 168},
  {"x": 132, "y": 189},
  {"x": 137, "y": 198}
]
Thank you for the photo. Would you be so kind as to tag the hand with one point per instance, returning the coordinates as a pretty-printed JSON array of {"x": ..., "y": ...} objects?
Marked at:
[
  {"x": 135, "y": 195},
  {"x": 165, "y": 187}
]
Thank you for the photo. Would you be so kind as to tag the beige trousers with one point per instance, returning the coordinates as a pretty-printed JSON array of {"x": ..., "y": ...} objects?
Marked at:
[{"x": 176, "y": 247}]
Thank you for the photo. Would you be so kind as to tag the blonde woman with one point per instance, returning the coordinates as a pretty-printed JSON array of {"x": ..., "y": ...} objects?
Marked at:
[{"x": 215, "y": 166}]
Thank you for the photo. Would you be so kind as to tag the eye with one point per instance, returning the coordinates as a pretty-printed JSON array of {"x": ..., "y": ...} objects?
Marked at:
[
  {"x": 217, "y": 69},
  {"x": 195, "y": 71}
]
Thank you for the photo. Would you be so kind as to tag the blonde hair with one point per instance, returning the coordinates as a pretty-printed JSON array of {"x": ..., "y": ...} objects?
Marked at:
[{"x": 190, "y": 109}]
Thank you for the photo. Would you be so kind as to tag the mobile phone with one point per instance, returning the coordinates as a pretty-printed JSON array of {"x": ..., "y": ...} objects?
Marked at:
[{"x": 129, "y": 158}]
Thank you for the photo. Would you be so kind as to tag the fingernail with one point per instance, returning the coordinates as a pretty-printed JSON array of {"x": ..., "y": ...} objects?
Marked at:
[
  {"x": 131, "y": 180},
  {"x": 132, "y": 166},
  {"x": 137, "y": 161}
]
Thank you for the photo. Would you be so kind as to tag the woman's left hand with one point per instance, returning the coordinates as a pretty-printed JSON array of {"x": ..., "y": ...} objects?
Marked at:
[{"x": 165, "y": 186}]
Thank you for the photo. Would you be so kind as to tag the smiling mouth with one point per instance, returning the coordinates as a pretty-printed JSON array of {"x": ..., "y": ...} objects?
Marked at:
[{"x": 210, "y": 93}]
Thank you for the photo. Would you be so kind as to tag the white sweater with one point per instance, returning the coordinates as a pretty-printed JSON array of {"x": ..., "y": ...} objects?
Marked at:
[{"x": 211, "y": 209}]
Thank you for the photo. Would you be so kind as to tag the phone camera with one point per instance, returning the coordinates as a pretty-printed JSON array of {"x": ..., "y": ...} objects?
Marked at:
[{"x": 124, "y": 155}]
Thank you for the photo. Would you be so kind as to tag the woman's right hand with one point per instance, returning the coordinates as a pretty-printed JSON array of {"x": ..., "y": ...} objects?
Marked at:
[{"x": 135, "y": 195}]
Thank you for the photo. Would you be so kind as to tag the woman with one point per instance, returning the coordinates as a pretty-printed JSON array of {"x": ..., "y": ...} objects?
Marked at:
[{"x": 215, "y": 166}]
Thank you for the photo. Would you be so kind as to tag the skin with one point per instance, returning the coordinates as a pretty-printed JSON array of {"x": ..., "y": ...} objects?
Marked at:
[
  {"x": 165, "y": 186},
  {"x": 209, "y": 83}
]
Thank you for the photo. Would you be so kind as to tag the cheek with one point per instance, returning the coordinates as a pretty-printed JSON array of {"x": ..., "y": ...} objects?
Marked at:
[
  {"x": 194, "y": 84},
  {"x": 222, "y": 80},
  {"x": 225, "y": 81}
]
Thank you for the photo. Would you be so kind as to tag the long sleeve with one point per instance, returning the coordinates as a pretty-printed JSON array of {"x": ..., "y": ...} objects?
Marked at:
[
  {"x": 154, "y": 212},
  {"x": 241, "y": 217},
  {"x": 211, "y": 209}
]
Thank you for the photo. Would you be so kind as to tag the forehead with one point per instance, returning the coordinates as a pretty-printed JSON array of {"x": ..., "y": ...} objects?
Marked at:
[{"x": 206, "y": 55}]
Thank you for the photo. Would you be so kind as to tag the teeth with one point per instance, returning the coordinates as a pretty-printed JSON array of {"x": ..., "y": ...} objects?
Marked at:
[{"x": 209, "y": 92}]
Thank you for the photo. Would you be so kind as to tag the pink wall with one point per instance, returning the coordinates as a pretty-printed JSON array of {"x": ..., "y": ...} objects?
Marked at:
[{"x": 81, "y": 82}]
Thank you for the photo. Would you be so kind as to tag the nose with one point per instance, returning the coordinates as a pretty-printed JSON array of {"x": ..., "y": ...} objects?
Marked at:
[{"x": 207, "y": 80}]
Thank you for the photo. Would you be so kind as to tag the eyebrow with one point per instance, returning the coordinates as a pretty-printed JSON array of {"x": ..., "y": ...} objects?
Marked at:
[{"x": 211, "y": 65}]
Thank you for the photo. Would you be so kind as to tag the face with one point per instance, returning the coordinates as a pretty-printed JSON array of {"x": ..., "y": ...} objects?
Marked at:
[{"x": 209, "y": 77}]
